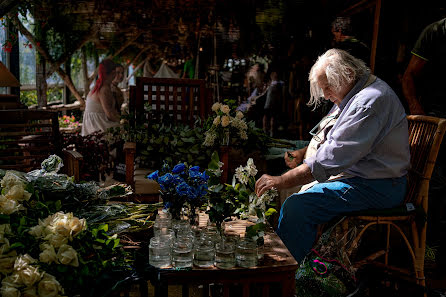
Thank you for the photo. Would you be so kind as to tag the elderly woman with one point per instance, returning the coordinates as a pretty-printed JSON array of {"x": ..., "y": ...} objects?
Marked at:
[
  {"x": 359, "y": 154},
  {"x": 100, "y": 111}
]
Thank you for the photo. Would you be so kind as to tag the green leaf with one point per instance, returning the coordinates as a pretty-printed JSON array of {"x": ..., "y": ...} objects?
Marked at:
[
  {"x": 17, "y": 245},
  {"x": 270, "y": 211}
]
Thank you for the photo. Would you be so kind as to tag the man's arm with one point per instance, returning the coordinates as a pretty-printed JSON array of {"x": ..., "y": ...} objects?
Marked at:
[
  {"x": 294, "y": 158},
  {"x": 300, "y": 175},
  {"x": 413, "y": 71}
]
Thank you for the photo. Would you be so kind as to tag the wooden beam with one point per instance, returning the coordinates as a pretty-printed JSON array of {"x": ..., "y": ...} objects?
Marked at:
[
  {"x": 375, "y": 35},
  {"x": 358, "y": 7}
]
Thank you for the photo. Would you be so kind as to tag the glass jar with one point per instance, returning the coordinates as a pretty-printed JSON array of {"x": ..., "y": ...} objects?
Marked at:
[
  {"x": 204, "y": 254},
  {"x": 163, "y": 214},
  {"x": 182, "y": 252},
  {"x": 225, "y": 254},
  {"x": 211, "y": 232},
  {"x": 246, "y": 253},
  {"x": 162, "y": 226},
  {"x": 181, "y": 226},
  {"x": 160, "y": 254}
]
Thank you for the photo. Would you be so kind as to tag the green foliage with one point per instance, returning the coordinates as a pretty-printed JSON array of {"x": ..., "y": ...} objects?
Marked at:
[
  {"x": 30, "y": 97},
  {"x": 165, "y": 141}
]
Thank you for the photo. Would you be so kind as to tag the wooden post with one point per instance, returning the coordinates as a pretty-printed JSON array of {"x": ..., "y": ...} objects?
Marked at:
[
  {"x": 41, "y": 85},
  {"x": 375, "y": 35},
  {"x": 85, "y": 72},
  {"x": 66, "y": 90},
  {"x": 14, "y": 61}
]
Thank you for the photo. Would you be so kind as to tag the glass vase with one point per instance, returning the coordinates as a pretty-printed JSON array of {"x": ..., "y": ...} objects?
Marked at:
[
  {"x": 160, "y": 255},
  {"x": 182, "y": 252},
  {"x": 246, "y": 253},
  {"x": 204, "y": 254},
  {"x": 225, "y": 137},
  {"x": 225, "y": 254}
]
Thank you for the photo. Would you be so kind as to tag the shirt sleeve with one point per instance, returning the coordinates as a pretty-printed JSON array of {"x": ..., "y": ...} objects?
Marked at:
[
  {"x": 350, "y": 140},
  {"x": 425, "y": 43}
]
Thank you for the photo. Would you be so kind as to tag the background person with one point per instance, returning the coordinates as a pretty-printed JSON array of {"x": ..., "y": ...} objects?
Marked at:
[
  {"x": 100, "y": 110},
  {"x": 424, "y": 91},
  {"x": 273, "y": 104},
  {"x": 115, "y": 89},
  {"x": 360, "y": 163}
]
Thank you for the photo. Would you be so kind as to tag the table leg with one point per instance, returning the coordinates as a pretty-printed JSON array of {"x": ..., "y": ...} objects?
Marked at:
[
  {"x": 289, "y": 285},
  {"x": 185, "y": 290},
  {"x": 143, "y": 288},
  {"x": 246, "y": 290},
  {"x": 265, "y": 290}
]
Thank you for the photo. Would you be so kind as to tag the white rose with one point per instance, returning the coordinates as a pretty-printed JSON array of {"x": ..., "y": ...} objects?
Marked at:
[
  {"x": 4, "y": 245},
  {"x": 239, "y": 115},
  {"x": 57, "y": 240},
  {"x": 225, "y": 109},
  {"x": 7, "y": 262},
  {"x": 77, "y": 225},
  {"x": 29, "y": 292},
  {"x": 10, "y": 179},
  {"x": 30, "y": 275},
  {"x": 15, "y": 193},
  {"x": 8, "y": 206},
  {"x": 216, "y": 106},
  {"x": 23, "y": 261},
  {"x": 61, "y": 227},
  {"x": 48, "y": 254},
  {"x": 12, "y": 280},
  {"x": 5, "y": 229},
  {"x": 8, "y": 291},
  {"x": 49, "y": 286},
  {"x": 37, "y": 231},
  {"x": 67, "y": 255},
  {"x": 216, "y": 121},
  {"x": 225, "y": 121}
]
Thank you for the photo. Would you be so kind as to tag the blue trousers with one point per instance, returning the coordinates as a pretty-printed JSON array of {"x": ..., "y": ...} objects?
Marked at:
[{"x": 302, "y": 212}]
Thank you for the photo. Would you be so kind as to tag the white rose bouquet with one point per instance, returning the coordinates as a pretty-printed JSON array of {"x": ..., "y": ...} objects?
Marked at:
[
  {"x": 226, "y": 126},
  {"x": 44, "y": 252}
]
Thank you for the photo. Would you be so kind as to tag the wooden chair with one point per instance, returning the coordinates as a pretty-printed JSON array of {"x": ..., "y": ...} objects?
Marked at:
[
  {"x": 27, "y": 137},
  {"x": 425, "y": 136},
  {"x": 183, "y": 100}
]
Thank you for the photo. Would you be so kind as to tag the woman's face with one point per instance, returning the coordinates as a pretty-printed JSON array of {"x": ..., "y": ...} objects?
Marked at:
[
  {"x": 111, "y": 76},
  {"x": 119, "y": 75}
]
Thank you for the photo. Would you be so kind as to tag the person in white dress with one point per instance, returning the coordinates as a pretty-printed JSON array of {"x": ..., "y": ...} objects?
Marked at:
[{"x": 100, "y": 110}]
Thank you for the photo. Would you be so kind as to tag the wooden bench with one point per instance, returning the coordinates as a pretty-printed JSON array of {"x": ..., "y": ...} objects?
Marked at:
[{"x": 27, "y": 137}]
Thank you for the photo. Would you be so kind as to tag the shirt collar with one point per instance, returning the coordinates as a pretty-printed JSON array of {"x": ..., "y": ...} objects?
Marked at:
[{"x": 356, "y": 88}]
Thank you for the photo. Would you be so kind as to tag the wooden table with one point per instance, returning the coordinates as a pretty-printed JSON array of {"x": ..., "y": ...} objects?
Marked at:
[{"x": 277, "y": 268}]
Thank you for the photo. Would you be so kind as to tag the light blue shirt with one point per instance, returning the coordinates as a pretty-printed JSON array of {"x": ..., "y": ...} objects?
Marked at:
[{"x": 369, "y": 139}]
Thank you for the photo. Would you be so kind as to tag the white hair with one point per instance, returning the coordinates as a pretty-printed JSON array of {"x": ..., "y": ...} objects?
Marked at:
[{"x": 341, "y": 70}]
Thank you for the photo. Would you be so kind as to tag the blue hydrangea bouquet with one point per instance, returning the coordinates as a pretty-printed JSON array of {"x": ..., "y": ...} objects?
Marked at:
[{"x": 183, "y": 188}]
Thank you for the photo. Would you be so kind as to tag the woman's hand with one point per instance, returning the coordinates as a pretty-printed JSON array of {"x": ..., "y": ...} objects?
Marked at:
[
  {"x": 294, "y": 158},
  {"x": 266, "y": 182}
]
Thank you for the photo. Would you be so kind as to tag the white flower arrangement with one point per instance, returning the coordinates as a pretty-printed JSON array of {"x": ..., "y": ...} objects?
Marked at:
[
  {"x": 224, "y": 121},
  {"x": 246, "y": 176}
]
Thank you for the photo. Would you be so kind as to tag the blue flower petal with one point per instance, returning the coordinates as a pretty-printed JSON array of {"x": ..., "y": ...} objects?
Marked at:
[
  {"x": 153, "y": 175},
  {"x": 179, "y": 168}
]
